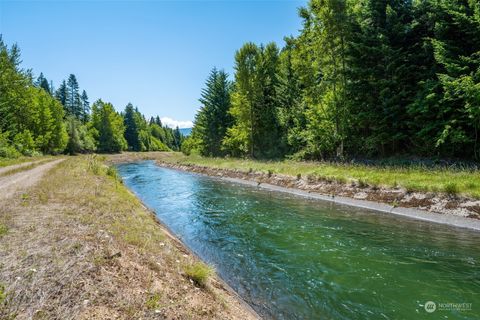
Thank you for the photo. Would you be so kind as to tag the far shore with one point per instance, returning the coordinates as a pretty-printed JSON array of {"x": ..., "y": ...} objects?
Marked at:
[{"x": 455, "y": 210}]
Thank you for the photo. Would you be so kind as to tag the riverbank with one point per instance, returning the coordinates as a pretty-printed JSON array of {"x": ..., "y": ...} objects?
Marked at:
[
  {"x": 391, "y": 189},
  {"x": 79, "y": 245}
]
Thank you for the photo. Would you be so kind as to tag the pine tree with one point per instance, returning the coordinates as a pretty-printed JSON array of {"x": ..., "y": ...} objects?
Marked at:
[
  {"x": 61, "y": 94},
  {"x": 42, "y": 82},
  {"x": 132, "y": 130},
  {"x": 73, "y": 104},
  {"x": 85, "y": 107},
  {"x": 213, "y": 118}
]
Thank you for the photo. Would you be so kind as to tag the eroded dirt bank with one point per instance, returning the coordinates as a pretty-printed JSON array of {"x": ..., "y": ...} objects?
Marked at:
[{"x": 397, "y": 197}]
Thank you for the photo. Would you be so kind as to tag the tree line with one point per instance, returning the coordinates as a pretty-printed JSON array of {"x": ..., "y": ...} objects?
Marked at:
[
  {"x": 372, "y": 78},
  {"x": 35, "y": 118}
]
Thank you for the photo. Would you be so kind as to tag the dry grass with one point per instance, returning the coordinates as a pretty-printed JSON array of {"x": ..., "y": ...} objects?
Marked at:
[{"x": 80, "y": 246}]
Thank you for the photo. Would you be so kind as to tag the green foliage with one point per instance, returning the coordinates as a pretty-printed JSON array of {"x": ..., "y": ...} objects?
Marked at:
[
  {"x": 191, "y": 145},
  {"x": 199, "y": 272},
  {"x": 113, "y": 172},
  {"x": 30, "y": 117},
  {"x": 362, "y": 79},
  {"x": 213, "y": 119},
  {"x": 24, "y": 143},
  {"x": 255, "y": 131},
  {"x": 132, "y": 128},
  {"x": 451, "y": 188},
  {"x": 108, "y": 128},
  {"x": 80, "y": 139}
]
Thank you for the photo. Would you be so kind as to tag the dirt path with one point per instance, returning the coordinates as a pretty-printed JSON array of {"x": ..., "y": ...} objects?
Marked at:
[
  {"x": 22, "y": 180},
  {"x": 6, "y": 169}
]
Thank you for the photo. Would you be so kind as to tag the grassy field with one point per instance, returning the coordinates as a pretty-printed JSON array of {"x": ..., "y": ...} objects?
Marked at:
[
  {"x": 412, "y": 178},
  {"x": 89, "y": 248}
]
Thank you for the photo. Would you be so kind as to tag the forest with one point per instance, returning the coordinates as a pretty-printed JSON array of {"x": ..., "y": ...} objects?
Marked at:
[
  {"x": 37, "y": 119},
  {"x": 362, "y": 79}
]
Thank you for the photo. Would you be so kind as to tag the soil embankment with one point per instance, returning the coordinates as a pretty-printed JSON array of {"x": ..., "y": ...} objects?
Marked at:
[{"x": 448, "y": 209}]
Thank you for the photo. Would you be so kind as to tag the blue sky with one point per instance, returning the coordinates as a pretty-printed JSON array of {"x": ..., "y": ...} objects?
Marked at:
[{"x": 155, "y": 54}]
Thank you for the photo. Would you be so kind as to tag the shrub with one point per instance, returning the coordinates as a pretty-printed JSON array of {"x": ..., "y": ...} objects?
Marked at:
[
  {"x": 199, "y": 272},
  {"x": 9, "y": 152},
  {"x": 24, "y": 142}
]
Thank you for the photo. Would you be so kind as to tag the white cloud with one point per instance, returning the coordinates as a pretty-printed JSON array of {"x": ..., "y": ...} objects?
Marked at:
[{"x": 169, "y": 122}]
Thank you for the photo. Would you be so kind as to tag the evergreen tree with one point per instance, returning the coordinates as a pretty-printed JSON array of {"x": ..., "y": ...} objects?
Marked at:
[
  {"x": 73, "y": 104},
  {"x": 61, "y": 94},
  {"x": 42, "y": 82},
  {"x": 213, "y": 118},
  {"x": 85, "y": 106},
  {"x": 132, "y": 130}
]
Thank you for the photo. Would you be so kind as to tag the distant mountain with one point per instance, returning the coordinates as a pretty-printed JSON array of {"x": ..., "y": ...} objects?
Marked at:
[{"x": 186, "y": 131}]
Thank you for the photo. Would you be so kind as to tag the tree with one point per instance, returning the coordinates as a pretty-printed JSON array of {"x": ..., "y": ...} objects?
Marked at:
[
  {"x": 108, "y": 128},
  {"x": 61, "y": 93},
  {"x": 291, "y": 107},
  {"x": 30, "y": 118},
  {"x": 85, "y": 106},
  {"x": 73, "y": 103},
  {"x": 80, "y": 139},
  {"x": 213, "y": 119},
  {"x": 328, "y": 31},
  {"x": 42, "y": 82},
  {"x": 132, "y": 130}
]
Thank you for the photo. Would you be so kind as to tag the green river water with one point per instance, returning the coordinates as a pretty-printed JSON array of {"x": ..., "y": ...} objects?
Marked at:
[{"x": 294, "y": 258}]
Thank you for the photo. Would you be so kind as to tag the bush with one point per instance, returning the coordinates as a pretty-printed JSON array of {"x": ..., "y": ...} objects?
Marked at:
[
  {"x": 199, "y": 272},
  {"x": 9, "y": 152},
  {"x": 190, "y": 146},
  {"x": 6, "y": 149},
  {"x": 24, "y": 142}
]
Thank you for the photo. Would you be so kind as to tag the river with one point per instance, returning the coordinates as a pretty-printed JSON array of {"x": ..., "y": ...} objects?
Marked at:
[{"x": 294, "y": 258}]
